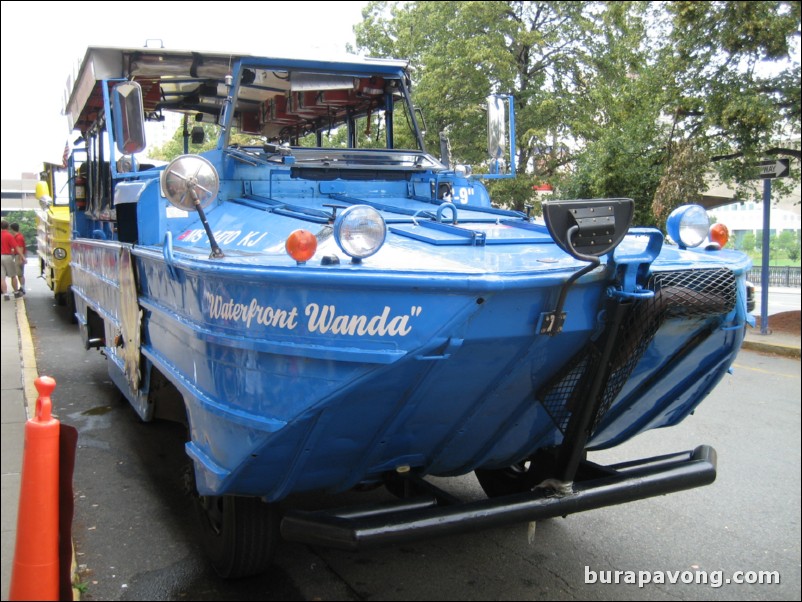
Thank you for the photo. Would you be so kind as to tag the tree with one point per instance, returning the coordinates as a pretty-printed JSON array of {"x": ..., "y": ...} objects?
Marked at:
[
  {"x": 175, "y": 146},
  {"x": 623, "y": 142},
  {"x": 748, "y": 242},
  {"x": 463, "y": 51},
  {"x": 788, "y": 241},
  {"x": 613, "y": 98},
  {"x": 27, "y": 225},
  {"x": 735, "y": 89}
]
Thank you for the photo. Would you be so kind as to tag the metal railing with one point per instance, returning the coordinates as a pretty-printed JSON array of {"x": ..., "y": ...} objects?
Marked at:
[{"x": 785, "y": 276}]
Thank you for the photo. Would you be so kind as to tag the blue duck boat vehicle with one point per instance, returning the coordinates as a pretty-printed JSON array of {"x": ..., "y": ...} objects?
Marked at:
[{"x": 326, "y": 311}]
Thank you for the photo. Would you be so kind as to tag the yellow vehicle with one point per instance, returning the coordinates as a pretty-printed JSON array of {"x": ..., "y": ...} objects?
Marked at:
[{"x": 53, "y": 234}]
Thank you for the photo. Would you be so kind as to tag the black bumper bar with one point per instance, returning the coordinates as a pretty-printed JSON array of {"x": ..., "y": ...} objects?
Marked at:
[{"x": 419, "y": 518}]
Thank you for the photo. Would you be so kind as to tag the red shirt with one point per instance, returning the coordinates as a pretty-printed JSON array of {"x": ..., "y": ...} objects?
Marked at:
[
  {"x": 9, "y": 244},
  {"x": 20, "y": 241}
]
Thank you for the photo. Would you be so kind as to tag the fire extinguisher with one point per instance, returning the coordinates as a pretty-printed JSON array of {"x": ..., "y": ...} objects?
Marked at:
[{"x": 80, "y": 191}]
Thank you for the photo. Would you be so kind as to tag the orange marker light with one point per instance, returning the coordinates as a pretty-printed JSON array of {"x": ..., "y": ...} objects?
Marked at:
[
  {"x": 301, "y": 245},
  {"x": 720, "y": 234}
]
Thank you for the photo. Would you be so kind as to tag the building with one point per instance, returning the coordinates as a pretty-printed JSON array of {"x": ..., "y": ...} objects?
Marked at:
[
  {"x": 20, "y": 194},
  {"x": 743, "y": 217},
  {"x": 746, "y": 214}
]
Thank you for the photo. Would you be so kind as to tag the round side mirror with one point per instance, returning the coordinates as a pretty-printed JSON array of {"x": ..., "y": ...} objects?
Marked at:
[{"x": 190, "y": 182}]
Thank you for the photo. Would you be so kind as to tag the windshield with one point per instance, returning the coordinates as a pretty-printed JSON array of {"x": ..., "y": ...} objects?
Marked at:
[{"x": 324, "y": 110}]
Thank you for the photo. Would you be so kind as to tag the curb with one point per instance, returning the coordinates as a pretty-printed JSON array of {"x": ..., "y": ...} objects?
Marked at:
[
  {"x": 774, "y": 348},
  {"x": 30, "y": 372}
]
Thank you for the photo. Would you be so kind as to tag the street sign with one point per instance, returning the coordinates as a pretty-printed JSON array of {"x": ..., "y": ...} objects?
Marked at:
[{"x": 774, "y": 168}]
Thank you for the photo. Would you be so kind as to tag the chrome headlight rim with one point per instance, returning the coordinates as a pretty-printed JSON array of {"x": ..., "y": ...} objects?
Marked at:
[
  {"x": 688, "y": 225},
  {"x": 60, "y": 253},
  {"x": 360, "y": 220}
]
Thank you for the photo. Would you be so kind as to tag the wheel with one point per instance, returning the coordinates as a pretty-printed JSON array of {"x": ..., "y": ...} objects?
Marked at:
[
  {"x": 239, "y": 534},
  {"x": 69, "y": 301}
]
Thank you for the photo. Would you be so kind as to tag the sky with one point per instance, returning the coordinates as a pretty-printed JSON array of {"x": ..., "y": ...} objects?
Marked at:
[{"x": 42, "y": 42}]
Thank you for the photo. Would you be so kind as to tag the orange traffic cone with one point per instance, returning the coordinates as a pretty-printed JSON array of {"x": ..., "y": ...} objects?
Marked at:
[{"x": 35, "y": 573}]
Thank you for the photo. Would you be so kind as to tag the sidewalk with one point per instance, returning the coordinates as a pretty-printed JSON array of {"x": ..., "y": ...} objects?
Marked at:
[
  {"x": 778, "y": 343},
  {"x": 18, "y": 370}
]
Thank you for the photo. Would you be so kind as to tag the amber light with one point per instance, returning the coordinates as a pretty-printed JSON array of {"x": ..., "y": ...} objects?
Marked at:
[
  {"x": 719, "y": 234},
  {"x": 301, "y": 245}
]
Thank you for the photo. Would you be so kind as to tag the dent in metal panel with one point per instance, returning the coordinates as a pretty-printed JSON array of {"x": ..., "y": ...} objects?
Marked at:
[{"x": 130, "y": 319}]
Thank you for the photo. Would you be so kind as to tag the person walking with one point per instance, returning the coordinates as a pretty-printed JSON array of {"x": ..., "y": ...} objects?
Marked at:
[
  {"x": 8, "y": 249},
  {"x": 20, "y": 256}
]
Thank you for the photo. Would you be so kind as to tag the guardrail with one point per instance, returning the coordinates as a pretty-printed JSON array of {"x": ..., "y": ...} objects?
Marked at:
[{"x": 786, "y": 276}]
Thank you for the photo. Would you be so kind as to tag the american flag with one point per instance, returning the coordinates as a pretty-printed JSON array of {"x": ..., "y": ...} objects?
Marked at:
[{"x": 66, "y": 156}]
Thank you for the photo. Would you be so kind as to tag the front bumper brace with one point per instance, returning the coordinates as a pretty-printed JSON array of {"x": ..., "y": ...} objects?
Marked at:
[{"x": 419, "y": 518}]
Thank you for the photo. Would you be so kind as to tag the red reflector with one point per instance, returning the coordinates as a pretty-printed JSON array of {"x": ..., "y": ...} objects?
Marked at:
[
  {"x": 301, "y": 245},
  {"x": 719, "y": 234}
]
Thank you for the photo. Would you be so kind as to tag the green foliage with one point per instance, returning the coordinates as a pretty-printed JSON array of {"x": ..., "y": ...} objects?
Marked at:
[
  {"x": 463, "y": 51},
  {"x": 734, "y": 92},
  {"x": 748, "y": 243},
  {"x": 784, "y": 248},
  {"x": 613, "y": 99},
  {"x": 27, "y": 225},
  {"x": 175, "y": 147},
  {"x": 515, "y": 193},
  {"x": 788, "y": 243}
]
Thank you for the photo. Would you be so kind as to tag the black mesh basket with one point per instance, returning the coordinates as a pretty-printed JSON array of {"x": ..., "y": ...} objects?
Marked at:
[{"x": 688, "y": 293}]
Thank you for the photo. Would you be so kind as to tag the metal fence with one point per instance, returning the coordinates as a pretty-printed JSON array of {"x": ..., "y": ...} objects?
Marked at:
[{"x": 786, "y": 276}]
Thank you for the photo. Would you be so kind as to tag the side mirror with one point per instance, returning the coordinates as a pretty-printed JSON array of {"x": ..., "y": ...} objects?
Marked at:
[
  {"x": 129, "y": 118},
  {"x": 42, "y": 190},
  {"x": 496, "y": 128},
  {"x": 191, "y": 183},
  {"x": 500, "y": 137}
]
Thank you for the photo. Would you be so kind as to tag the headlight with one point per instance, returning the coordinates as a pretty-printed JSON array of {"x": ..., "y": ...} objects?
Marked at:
[
  {"x": 687, "y": 225},
  {"x": 59, "y": 253},
  {"x": 360, "y": 231}
]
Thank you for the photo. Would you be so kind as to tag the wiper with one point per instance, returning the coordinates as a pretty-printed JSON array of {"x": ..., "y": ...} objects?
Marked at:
[
  {"x": 270, "y": 153},
  {"x": 283, "y": 150},
  {"x": 244, "y": 156}
]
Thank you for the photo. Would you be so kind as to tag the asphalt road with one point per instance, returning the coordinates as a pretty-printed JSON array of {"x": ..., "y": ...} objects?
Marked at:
[{"x": 135, "y": 533}]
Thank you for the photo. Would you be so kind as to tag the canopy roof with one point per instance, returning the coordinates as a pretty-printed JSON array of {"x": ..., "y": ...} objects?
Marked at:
[{"x": 274, "y": 93}]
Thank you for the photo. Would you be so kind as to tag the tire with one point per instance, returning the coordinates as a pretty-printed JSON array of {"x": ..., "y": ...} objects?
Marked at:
[
  {"x": 69, "y": 301},
  {"x": 239, "y": 534}
]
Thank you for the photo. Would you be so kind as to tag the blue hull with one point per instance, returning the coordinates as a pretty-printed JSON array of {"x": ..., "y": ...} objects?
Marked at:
[{"x": 325, "y": 382}]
